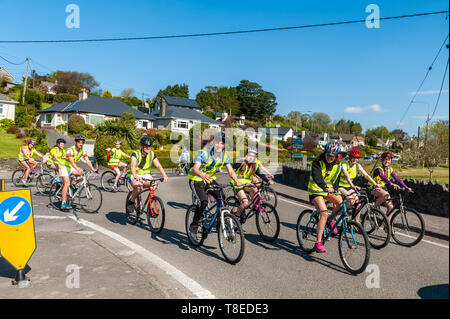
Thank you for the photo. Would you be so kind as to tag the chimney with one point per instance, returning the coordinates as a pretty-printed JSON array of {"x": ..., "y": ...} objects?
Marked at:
[
  {"x": 162, "y": 108},
  {"x": 83, "y": 95}
]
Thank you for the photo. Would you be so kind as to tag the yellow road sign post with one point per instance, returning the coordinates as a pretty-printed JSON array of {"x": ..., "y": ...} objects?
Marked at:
[{"x": 17, "y": 234}]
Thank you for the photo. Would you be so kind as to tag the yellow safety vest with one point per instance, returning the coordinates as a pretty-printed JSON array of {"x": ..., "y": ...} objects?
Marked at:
[
  {"x": 245, "y": 173},
  {"x": 377, "y": 178},
  {"x": 329, "y": 178},
  {"x": 59, "y": 152},
  {"x": 207, "y": 167},
  {"x": 352, "y": 173},
  {"x": 115, "y": 156},
  {"x": 147, "y": 166},
  {"x": 64, "y": 162},
  {"x": 28, "y": 152}
]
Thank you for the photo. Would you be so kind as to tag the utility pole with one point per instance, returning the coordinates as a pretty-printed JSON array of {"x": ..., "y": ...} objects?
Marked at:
[{"x": 25, "y": 82}]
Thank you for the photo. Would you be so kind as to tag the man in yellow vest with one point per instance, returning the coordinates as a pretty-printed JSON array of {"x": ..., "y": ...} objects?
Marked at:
[
  {"x": 140, "y": 169},
  {"x": 206, "y": 164},
  {"x": 114, "y": 162}
]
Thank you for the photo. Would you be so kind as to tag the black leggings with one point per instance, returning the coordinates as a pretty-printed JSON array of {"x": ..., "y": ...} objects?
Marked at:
[{"x": 200, "y": 191}]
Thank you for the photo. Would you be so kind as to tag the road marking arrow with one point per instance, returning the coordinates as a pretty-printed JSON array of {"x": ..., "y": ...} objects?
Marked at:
[{"x": 10, "y": 217}]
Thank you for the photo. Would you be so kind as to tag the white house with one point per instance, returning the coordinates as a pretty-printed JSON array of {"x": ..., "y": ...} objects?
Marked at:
[
  {"x": 280, "y": 133},
  {"x": 7, "y": 107}
]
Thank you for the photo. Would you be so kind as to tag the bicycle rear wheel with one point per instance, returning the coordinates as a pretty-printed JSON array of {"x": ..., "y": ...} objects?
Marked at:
[
  {"x": 376, "y": 225},
  {"x": 198, "y": 238},
  {"x": 156, "y": 215},
  {"x": 90, "y": 198},
  {"x": 54, "y": 195},
  {"x": 354, "y": 247},
  {"x": 407, "y": 228},
  {"x": 107, "y": 180},
  {"x": 17, "y": 177},
  {"x": 269, "y": 195},
  {"x": 133, "y": 217},
  {"x": 231, "y": 237},
  {"x": 43, "y": 183},
  {"x": 268, "y": 222},
  {"x": 307, "y": 230}
]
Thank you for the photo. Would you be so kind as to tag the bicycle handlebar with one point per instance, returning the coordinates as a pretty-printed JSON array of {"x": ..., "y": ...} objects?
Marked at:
[{"x": 152, "y": 179}]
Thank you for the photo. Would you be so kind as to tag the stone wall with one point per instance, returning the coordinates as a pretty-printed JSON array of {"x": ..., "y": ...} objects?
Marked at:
[
  {"x": 428, "y": 197},
  {"x": 9, "y": 164}
]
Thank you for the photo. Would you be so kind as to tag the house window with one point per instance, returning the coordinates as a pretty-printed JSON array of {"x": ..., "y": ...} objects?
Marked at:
[
  {"x": 1, "y": 108},
  {"x": 182, "y": 124},
  {"x": 94, "y": 119},
  {"x": 48, "y": 118}
]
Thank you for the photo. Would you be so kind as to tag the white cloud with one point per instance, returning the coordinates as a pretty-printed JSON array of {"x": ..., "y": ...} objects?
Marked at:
[
  {"x": 361, "y": 109},
  {"x": 401, "y": 123},
  {"x": 427, "y": 92}
]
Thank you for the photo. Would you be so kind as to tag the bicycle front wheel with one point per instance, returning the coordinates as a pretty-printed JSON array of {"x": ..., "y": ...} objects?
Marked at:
[
  {"x": 408, "y": 227},
  {"x": 269, "y": 196},
  {"x": 90, "y": 198},
  {"x": 17, "y": 177},
  {"x": 54, "y": 195},
  {"x": 231, "y": 237},
  {"x": 133, "y": 216},
  {"x": 268, "y": 222},
  {"x": 354, "y": 247},
  {"x": 156, "y": 214},
  {"x": 307, "y": 230},
  {"x": 376, "y": 225},
  {"x": 107, "y": 180},
  {"x": 43, "y": 183}
]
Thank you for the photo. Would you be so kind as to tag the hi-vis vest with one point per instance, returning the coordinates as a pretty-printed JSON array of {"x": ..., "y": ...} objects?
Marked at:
[
  {"x": 378, "y": 178},
  {"x": 245, "y": 173},
  {"x": 28, "y": 152},
  {"x": 352, "y": 173},
  {"x": 147, "y": 166},
  {"x": 59, "y": 152},
  {"x": 116, "y": 155},
  {"x": 64, "y": 161},
  {"x": 330, "y": 179},
  {"x": 207, "y": 167}
]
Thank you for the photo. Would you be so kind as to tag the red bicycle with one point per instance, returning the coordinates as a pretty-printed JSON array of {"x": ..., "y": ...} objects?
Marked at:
[{"x": 148, "y": 203}]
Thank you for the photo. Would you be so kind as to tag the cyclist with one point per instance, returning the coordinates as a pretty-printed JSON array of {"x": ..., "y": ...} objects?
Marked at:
[
  {"x": 114, "y": 162},
  {"x": 140, "y": 168},
  {"x": 246, "y": 171},
  {"x": 68, "y": 166},
  {"x": 324, "y": 175},
  {"x": 26, "y": 159},
  {"x": 184, "y": 159},
  {"x": 382, "y": 174},
  {"x": 55, "y": 155},
  {"x": 350, "y": 169},
  {"x": 203, "y": 174}
]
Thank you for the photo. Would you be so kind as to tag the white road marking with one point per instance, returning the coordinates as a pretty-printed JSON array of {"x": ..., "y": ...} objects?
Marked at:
[
  {"x": 49, "y": 217},
  {"x": 312, "y": 207},
  {"x": 178, "y": 275}
]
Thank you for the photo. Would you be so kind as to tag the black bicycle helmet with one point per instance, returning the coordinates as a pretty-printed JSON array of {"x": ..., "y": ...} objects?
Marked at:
[
  {"x": 80, "y": 138},
  {"x": 60, "y": 140},
  {"x": 146, "y": 141}
]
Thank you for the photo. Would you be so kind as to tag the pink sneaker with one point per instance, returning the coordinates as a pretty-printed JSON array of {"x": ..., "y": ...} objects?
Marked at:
[
  {"x": 331, "y": 225},
  {"x": 319, "y": 248}
]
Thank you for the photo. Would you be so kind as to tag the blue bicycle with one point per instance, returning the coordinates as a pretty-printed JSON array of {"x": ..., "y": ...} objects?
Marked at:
[
  {"x": 229, "y": 230},
  {"x": 353, "y": 242}
]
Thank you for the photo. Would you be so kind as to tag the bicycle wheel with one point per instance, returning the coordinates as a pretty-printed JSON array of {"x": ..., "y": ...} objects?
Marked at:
[
  {"x": 133, "y": 217},
  {"x": 156, "y": 214},
  {"x": 408, "y": 227},
  {"x": 198, "y": 238},
  {"x": 231, "y": 237},
  {"x": 354, "y": 247},
  {"x": 43, "y": 183},
  {"x": 268, "y": 222},
  {"x": 232, "y": 203},
  {"x": 376, "y": 225},
  {"x": 17, "y": 177},
  {"x": 107, "y": 180},
  {"x": 54, "y": 195},
  {"x": 90, "y": 198},
  {"x": 128, "y": 185},
  {"x": 269, "y": 195},
  {"x": 307, "y": 230}
]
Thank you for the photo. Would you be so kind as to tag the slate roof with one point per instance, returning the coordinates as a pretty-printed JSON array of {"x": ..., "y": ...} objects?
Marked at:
[
  {"x": 282, "y": 130},
  {"x": 180, "y": 101},
  {"x": 4, "y": 98},
  {"x": 184, "y": 113},
  {"x": 97, "y": 105}
]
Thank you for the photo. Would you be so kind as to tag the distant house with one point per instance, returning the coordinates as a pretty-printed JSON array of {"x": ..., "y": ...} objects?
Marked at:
[
  {"x": 6, "y": 79},
  {"x": 7, "y": 107},
  {"x": 179, "y": 114},
  {"x": 94, "y": 109},
  {"x": 238, "y": 122},
  {"x": 281, "y": 133},
  {"x": 47, "y": 88}
]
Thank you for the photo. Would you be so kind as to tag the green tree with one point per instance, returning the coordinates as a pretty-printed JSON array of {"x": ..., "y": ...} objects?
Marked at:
[
  {"x": 380, "y": 131},
  {"x": 76, "y": 124},
  {"x": 107, "y": 94},
  {"x": 177, "y": 90},
  {"x": 255, "y": 103}
]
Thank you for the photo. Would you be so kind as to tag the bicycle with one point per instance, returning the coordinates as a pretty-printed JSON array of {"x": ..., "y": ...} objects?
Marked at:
[
  {"x": 405, "y": 222},
  {"x": 266, "y": 216},
  {"x": 352, "y": 237},
  {"x": 44, "y": 181},
  {"x": 107, "y": 181},
  {"x": 89, "y": 195},
  {"x": 373, "y": 220},
  {"x": 17, "y": 175},
  {"x": 229, "y": 230},
  {"x": 268, "y": 194},
  {"x": 152, "y": 206},
  {"x": 182, "y": 168}
]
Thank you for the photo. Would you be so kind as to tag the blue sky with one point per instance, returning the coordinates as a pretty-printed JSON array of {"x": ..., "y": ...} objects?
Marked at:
[{"x": 347, "y": 71}]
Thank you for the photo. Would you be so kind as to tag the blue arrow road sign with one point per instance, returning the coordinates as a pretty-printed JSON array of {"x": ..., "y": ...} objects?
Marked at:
[{"x": 14, "y": 211}]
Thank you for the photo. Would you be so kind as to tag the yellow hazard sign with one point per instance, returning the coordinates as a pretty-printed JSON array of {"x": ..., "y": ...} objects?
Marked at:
[{"x": 17, "y": 234}]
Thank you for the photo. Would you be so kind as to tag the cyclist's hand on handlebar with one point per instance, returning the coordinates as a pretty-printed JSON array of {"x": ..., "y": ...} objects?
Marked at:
[
  {"x": 410, "y": 190},
  {"x": 356, "y": 188},
  {"x": 165, "y": 179},
  {"x": 206, "y": 178},
  {"x": 330, "y": 190},
  {"x": 396, "y": 187}
]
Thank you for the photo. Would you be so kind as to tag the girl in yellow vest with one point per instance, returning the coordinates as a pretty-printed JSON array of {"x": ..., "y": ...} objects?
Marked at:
[
  {"x": 350, "y": 170},
  {"x": 325, "y": 173},
  {"x": 55, "y": 155},
  {"x": 25, "y": 158},
  {"x": 246, "y": 171},
  {"x": 140, "y": 169},
  {"x": 114, "y": 162}
]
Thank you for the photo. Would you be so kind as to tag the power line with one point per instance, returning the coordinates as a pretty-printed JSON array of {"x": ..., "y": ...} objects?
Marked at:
[
  {"x": 423, "y": 81},
  {"x": 13, "y": 62},
  {"x": 440, "y": 91},
  {"x": 222, "y": 33}
]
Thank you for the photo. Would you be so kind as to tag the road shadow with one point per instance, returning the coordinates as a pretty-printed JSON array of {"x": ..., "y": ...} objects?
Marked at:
[
  {"x": 176, "y": 205},
  {"x": 434, "y": 292},
  {"x": 117, "y": 218},
  {"x": 8, "y": 271},
  {"x": 289, "y": 225}
]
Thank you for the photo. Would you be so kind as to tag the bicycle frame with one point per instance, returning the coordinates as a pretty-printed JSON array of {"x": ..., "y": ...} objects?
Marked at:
[
  {"x": 152, "y": 189},
  {"x": 257, "y": 200}
]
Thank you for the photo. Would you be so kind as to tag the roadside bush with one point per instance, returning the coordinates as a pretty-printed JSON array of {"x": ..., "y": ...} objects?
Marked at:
[
  {"x": 61, "y": 127},
  {"x": 22, "y": 116},
  {"x": 6, "y": 123},
  {"x": 13, "y": 130},
  {"x": 76, "y": 124},
  {"x": 101, "y": 143},
  {"x": 40, "y": 138},
  {"x": 20, "y": 135},
  {"x": 64, "y": 97},
  {"x": 35, "y": 98}
]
